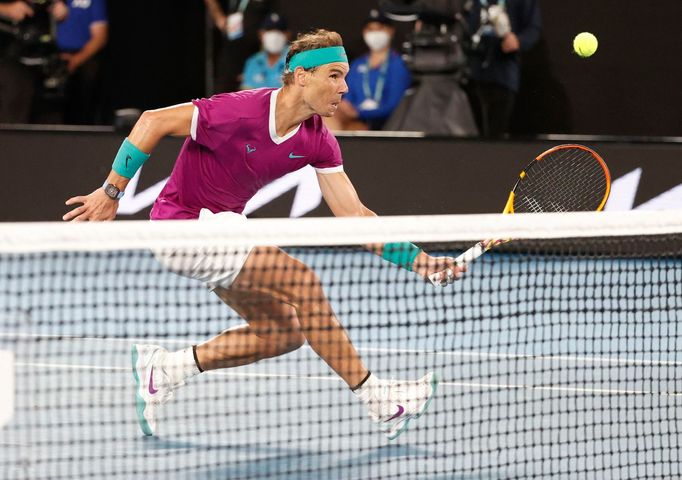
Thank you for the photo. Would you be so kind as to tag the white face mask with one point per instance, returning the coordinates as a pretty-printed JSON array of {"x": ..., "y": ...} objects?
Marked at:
[
  {"x": 377, "y": 40},
  {"x": 274, "y": 41}
]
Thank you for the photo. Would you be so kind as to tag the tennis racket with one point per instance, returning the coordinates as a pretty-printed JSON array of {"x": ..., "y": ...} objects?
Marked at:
[{"x": 566, "y": 178}]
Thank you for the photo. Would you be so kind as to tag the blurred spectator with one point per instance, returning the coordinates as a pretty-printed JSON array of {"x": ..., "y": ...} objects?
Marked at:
[
  {"x": 265, "y": 68},
  {"x": 376, "y": 81},
  {"x": 237, "y": 23},
  {"x": 81, "y": 38},
  {"x": 502, "y": 29},
  {"x": 22, "y": 29},
  {"x": 16, "y": 80}
]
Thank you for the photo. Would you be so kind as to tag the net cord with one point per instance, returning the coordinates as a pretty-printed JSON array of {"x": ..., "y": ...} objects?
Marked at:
[{"x": 141, "y": 234}]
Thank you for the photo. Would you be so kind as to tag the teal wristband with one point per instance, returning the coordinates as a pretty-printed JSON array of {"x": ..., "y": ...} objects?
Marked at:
[
  {"x": 401, "y": 254},
  {"x": 128, "y": 160}
]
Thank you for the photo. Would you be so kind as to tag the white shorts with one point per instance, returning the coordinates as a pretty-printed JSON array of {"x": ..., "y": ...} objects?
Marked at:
[{"x": 214, "y": 266}]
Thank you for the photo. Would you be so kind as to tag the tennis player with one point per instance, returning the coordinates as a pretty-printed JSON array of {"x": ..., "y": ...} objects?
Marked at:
[{"x": 239, "y": 142}]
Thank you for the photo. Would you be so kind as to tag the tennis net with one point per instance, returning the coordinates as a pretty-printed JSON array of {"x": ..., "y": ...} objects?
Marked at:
[{"x": 559, "y": 353}]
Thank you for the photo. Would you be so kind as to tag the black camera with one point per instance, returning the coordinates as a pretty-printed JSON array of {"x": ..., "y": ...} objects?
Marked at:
[
  {"x": 34, "y": 34},
  {"x": 436, "y": 12},
  {"x": 35, "y": 46},
  {"x": 435, "y": 51},
  {"x": 438, "y": 44}
]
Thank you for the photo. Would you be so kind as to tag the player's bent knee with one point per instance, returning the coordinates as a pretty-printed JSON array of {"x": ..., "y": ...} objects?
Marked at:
[
  {"x": 293, "y": 342},
  {"x": 291, "y": 337},
  {"x": 282, "y": 343},
  {"x": 284, "y": 336}
]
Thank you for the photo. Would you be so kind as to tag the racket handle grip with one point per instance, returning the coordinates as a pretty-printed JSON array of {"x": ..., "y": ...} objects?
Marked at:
[
  {"x": 469, "y": 256},
  {"x": 472, "y": 254}
]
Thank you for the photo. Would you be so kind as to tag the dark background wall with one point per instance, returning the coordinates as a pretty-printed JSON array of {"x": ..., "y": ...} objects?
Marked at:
[
  {"x": 630, "y": 87},
  {"x": 460, "y": 176}
]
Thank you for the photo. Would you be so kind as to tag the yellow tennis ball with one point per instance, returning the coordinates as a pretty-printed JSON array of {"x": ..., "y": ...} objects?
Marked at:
[{"x": 585, "y": 44}]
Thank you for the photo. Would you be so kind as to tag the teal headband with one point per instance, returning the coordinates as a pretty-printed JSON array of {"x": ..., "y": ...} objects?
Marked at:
[{"x": 317, "y": 57}]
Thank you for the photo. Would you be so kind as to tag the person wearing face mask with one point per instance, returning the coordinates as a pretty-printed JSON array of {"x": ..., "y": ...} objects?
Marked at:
[
  {"x": 376, "y": 82},
  {"x": 234, "y": 37},
  {"x": 265, "y": 68}
]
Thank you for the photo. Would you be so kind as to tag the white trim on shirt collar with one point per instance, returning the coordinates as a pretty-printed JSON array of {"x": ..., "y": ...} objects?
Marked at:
[{"x": 273, "y": 126}]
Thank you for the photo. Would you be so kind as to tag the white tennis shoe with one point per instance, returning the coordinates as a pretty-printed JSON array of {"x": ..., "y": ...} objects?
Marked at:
[
  {"x": 394, "y": 403},
  {"x": 152, "y": 386}
]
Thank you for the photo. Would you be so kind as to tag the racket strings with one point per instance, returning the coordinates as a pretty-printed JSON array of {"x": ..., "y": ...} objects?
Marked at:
[
  {"x": 568, "y": 179},
  {"x": 580, "y": 176}
]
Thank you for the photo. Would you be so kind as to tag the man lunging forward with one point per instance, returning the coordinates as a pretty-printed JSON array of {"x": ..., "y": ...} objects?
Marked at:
[{"x": 237, "y": 143}]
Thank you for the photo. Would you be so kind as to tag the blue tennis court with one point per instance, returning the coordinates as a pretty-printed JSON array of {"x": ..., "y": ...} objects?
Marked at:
[{"x": 551, "y": 367}]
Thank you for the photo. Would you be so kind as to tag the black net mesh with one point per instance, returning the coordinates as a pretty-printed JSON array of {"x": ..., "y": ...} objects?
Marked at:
[{"x": 556, "y": 359}]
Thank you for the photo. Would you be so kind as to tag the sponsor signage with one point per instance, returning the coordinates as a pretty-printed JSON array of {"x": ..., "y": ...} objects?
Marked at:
[{"x": 393, "y": 176}]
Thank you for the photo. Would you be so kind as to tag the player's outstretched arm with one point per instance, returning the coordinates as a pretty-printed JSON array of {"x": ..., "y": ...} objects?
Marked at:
[
  {"x": 152, "y": 126},
  {"x": 343, "y": 201}
]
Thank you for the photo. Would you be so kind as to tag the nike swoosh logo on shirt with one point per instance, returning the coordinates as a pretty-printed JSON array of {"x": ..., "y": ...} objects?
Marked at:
[
  {"x": 398, "y": 413},
  {"x": 152, "y": 390},
  {"x": 250, "y": 149},
  {"x": 292, "y": 156}
]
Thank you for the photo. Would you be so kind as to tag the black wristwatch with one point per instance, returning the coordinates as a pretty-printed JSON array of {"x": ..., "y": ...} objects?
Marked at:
[{"x": 112, "y": 191}]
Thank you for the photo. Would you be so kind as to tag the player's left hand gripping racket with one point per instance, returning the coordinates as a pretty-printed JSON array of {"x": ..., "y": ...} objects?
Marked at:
[{"x": 566, "y": 178}]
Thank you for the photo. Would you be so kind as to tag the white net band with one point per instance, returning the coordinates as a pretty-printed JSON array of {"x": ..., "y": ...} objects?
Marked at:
[{"x": 131, "y": 235}]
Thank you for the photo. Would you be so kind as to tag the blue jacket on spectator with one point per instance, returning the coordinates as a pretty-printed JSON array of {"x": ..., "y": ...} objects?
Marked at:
[
  {"x": 74, "y": 32},
  {"x": 362, "y": 85},
  {"x": 258, "y": 73}
]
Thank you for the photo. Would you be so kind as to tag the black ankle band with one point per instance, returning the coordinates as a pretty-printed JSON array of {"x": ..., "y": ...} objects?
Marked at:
[
  {"x": 196, "y": 360},
  {"x": 361, "y": 383}
]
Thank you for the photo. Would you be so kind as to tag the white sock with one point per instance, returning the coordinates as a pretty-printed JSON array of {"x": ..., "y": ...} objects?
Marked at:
[
  {"x": 364, "y": 393},
  {"x": 180, "y": 366}
]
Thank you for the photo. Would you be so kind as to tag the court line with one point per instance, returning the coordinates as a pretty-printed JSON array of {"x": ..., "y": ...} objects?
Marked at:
[
  {"x": 553, "y": 358},
  {"x": 406, "y": 351},
  {"x": 327, "y": 378}
]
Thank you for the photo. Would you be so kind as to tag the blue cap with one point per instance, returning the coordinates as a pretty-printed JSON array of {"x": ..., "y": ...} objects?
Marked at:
[
  {"x": 274, "y": 21},
  {"x": 377, "y": 16}
]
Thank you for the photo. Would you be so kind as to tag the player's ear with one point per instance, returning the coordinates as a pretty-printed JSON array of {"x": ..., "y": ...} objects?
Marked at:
[{"x": 301, "y": 76}]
